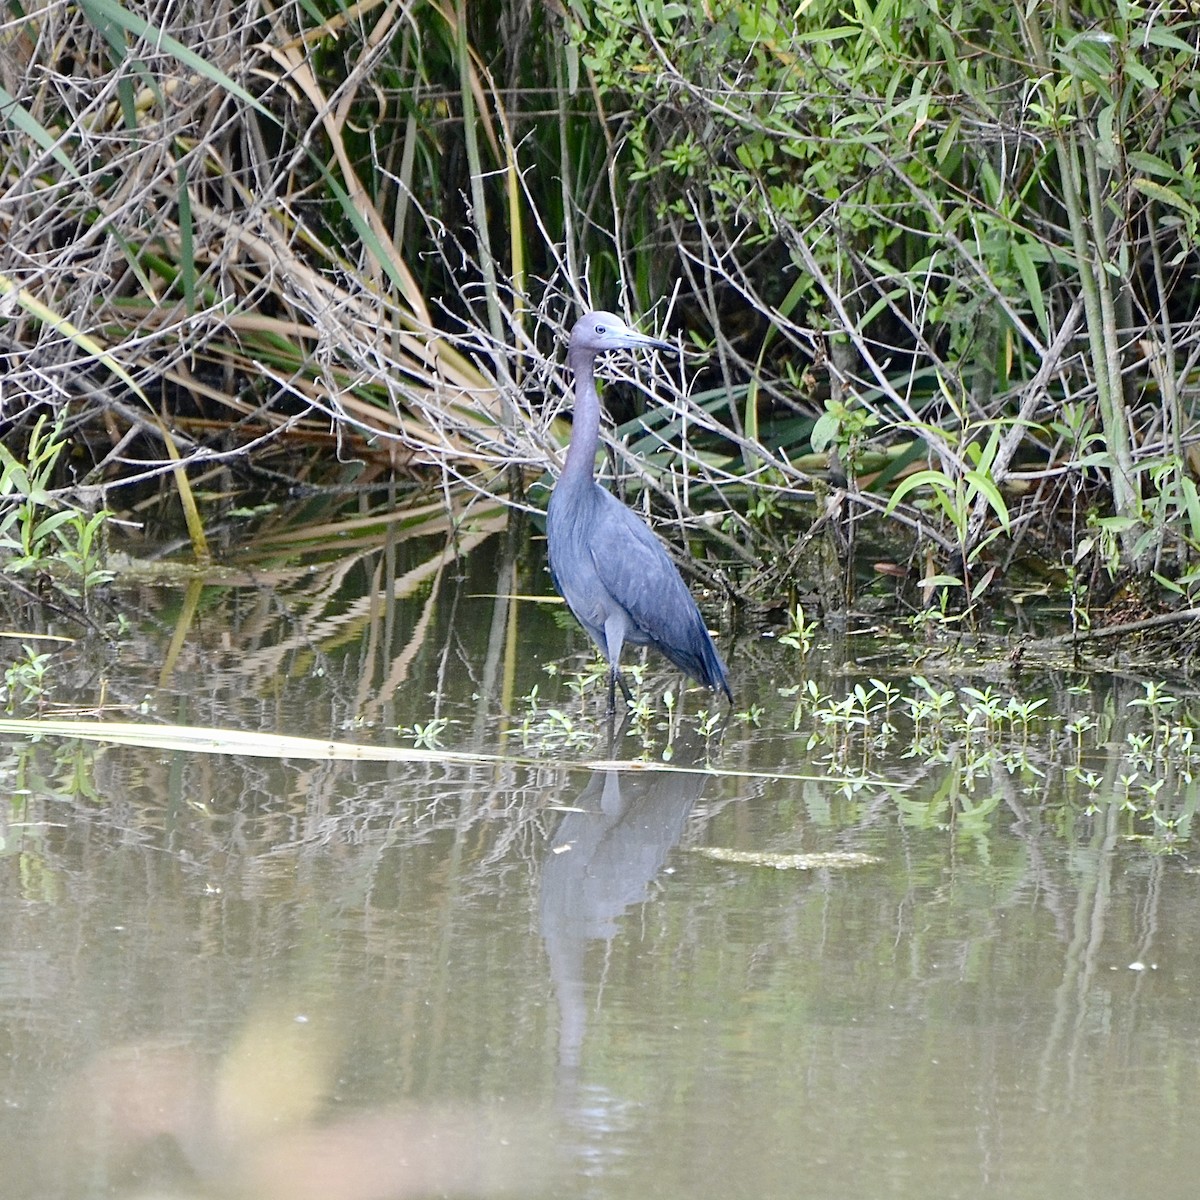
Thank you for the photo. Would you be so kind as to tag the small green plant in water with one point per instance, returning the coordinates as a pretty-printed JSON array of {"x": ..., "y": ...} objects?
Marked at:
[
  {"x": 36, "y": 530},
  {"x": 595, "y": 673},
  {"x": 427, "y": 736},
  {"x": 25, "y": 681},
  {"x": 762, "y": 508},
  {"x": 801, "y": 633},
  {"x": 550, "y": 730},
  {"x": 1158, "y": 704}
]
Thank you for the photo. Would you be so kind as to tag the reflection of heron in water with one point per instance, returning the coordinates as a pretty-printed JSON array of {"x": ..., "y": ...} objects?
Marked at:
[{"x": 603, "y": 859}]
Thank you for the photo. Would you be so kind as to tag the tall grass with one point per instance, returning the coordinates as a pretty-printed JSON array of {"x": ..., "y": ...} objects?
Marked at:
[{"x": 949, "y": 255}]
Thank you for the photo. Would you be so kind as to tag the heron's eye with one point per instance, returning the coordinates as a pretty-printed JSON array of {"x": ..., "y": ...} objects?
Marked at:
[{"x": 601, "y": 329}]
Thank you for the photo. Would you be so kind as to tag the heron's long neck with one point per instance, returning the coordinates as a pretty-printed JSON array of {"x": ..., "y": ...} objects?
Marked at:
[{"x": 585, "y": 431}]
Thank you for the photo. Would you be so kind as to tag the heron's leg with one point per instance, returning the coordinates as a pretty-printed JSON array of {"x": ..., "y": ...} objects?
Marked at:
[
  {"x": 615, "y": 680},
  {"x": 614, "y": 637}
]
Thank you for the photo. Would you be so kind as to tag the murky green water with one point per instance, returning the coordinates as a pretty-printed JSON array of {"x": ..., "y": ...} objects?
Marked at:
[{"x": 236, "y": 977}]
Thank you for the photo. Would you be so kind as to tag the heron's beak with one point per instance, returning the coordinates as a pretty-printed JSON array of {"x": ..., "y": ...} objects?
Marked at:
[{"x": 650, "y": 343}]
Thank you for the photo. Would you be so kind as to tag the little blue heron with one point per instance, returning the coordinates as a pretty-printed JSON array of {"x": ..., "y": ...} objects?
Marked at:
[{"x": 607, "y": 565}]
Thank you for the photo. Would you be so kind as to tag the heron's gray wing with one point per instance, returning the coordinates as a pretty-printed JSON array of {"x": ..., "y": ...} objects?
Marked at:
[
  {"x": 639, "y": 574},
  {"x": 635, "y": 570}
]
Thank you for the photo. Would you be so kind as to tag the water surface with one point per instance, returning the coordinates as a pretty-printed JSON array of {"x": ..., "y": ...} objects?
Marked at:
[{"x": 225, "y": 976}]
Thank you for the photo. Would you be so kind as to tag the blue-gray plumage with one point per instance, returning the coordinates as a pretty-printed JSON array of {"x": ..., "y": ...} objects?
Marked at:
[{"x": 606, "y": 563}]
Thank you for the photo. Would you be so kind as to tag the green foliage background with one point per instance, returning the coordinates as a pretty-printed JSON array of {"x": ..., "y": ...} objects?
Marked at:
[{"x": 954, "y": 243}]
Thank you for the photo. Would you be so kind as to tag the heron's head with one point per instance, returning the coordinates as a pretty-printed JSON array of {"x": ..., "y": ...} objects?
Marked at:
[{"x": 600, "y": 331}]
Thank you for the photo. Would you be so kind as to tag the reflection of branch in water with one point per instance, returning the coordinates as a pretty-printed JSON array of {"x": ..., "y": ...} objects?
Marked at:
[
  {"x": 603, "y": 859},
  {"x": 1066, "y": 1045}
]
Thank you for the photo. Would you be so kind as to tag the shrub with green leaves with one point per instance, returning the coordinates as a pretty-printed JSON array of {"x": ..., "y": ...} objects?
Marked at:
[{"x": 974, "y": 213}]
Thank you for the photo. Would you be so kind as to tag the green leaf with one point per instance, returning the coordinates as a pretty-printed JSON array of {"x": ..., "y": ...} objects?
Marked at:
[
  {"x": 19, "y": 116},
  {"x": 824, "y": 432},
  {"x": 1165, "y": 195},
  {"x": 750, "y": 414},
  {"x": 1141, "y": 74},
  {"x": 1117, "y": 524},
  {"x": 105, "y": 14},
  {"x": 32, "y": 305},
  {"x": 1191, "y": 502},
  {"x": 14, "y": 477},
  {"x": 1169, "y": 584},
  {"x": 44, "y": 528},
  {"x": 363, "y": 228},
  {"x": 187, "y": 248},
  {"x": 1151, "y": 164},
  {"x": 986, "y": 487},
  {"x": 933, "y": 479},
  {"x": 1032, "y": 283},
  {"x": 1156, "y": 35},
  {"x": 836, "y": 34}
]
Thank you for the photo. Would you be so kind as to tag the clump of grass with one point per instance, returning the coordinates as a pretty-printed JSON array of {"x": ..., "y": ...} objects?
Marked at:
[{"x": 978, "y": 736}]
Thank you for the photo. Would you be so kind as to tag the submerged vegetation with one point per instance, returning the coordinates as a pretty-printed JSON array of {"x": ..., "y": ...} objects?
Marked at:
[{"x": 936, "y": 265}]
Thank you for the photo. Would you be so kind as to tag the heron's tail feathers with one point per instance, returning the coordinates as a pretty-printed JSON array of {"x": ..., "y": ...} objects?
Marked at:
[{"x": 702, "y": 661}]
